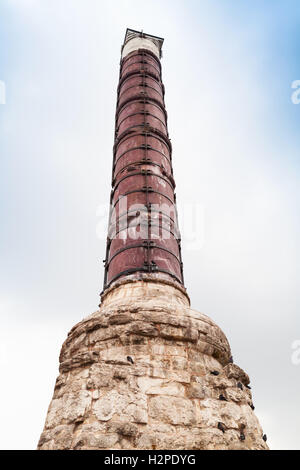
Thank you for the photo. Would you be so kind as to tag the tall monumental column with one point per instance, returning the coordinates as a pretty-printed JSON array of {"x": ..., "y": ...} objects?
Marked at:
[{"x": 146, "y": 371}]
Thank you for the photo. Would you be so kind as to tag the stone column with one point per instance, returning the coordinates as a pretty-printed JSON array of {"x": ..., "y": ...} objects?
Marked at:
[{"x": 146, "y": 371}]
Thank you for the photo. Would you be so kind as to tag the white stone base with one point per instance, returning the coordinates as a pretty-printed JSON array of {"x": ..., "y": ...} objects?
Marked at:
[{"x": 147, "y": 372}]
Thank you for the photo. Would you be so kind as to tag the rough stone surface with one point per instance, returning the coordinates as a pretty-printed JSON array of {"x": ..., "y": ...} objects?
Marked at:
[{"x": 147, "y": 372}]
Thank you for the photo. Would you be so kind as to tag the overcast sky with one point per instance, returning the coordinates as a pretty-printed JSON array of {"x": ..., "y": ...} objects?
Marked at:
[{"x": 228, "y": 67}]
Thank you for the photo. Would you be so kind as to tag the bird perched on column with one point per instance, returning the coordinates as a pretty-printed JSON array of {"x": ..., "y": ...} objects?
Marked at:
[{"x": 221, "y": 427}]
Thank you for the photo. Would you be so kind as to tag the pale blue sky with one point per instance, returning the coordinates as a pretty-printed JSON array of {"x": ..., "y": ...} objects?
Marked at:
[{"x": 228, "y": 67}]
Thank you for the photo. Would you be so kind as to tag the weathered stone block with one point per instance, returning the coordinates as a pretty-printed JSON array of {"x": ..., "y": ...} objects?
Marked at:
[
  {"x": 119, "y": 319},
  {"x": 109, "y": 404},
  {"x": 178, "y": 333},
  {"x": 172, "y": 410},
  {"x": 92, "y": 441},
  {"x": 196, "y": 390},
  {"x": 69, "y": 408},
  {"x": 235, "y": 372},
  {"x": 143, "y": 329}
]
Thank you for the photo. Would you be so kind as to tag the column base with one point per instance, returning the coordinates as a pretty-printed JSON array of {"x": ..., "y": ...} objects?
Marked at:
[{"x": 148, "y": 372}]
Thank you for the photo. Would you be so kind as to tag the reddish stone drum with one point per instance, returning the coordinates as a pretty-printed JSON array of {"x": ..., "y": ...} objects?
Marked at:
[{"x": 143, "y": 235}]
